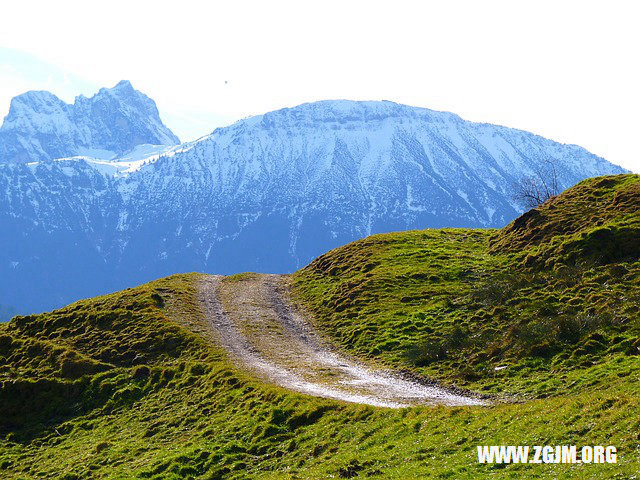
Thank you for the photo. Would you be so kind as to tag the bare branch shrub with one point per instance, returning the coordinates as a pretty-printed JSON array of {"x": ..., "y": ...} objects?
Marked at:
[{"x": 534, "y": 190}]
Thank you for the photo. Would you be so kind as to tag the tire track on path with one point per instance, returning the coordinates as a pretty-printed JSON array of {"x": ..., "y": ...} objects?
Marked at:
[{"x": 256, "y": 323}]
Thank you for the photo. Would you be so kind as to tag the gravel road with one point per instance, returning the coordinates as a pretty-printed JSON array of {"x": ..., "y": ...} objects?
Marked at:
[{"x": 257, "y": 324}]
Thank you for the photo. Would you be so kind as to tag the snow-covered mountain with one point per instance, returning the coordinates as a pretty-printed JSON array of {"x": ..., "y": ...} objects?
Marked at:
[
  {"x": 42, "y": 127},
  {"x": 268, "y": 193}
]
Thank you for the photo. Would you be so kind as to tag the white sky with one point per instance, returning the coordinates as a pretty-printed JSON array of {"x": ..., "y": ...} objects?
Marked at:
[{"x": 568, "y": 70}]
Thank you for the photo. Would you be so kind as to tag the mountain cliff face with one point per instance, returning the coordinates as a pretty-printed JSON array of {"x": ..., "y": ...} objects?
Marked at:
[
  {"x": 268, "y": 194},
  {"x": 42, "y": 127}
]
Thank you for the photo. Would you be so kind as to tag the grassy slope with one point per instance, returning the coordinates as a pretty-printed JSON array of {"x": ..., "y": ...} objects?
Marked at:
[
  {"x": 128, "y": 385},
  {"x": 551, "y": 300},
  {"x": 133, "y": 406},
  {"x": 544, "y": 308}
]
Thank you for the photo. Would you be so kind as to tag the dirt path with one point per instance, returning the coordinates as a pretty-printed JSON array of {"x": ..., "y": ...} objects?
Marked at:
[{"x": 256, "y": 323}]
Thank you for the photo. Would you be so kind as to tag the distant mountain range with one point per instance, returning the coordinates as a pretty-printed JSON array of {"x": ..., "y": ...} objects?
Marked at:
[
  {"x": 41, "y": 127},
  {"x": 268, "y": 193}
]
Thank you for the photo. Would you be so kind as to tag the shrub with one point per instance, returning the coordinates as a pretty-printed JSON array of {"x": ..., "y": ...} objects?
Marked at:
[
  {"x": 140, "y": 372},
  {"x": 73, "y": 365},
  {"x": 157, "y": 299},
  {"x": 433, "y": 350}
]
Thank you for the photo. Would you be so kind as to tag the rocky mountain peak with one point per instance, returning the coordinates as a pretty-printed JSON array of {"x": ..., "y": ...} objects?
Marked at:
[{"x": 41, "y": 127}]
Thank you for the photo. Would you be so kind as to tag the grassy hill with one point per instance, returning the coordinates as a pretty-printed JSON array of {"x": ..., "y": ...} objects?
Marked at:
[
  {"x": 547, "y": 305},
  {"x": 543, "y": 312}
]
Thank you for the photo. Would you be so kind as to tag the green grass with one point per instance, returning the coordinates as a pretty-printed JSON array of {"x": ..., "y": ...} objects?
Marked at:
[
  {"x": 595, "y": 222},
  {"x": 471, "y": 307},
  {"x": 187, "y": 413},
  {"x": 129, "y": 385}
]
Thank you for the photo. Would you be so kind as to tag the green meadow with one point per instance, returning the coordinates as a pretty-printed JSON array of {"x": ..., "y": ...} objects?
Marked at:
[{"x": 541, "y": 317}]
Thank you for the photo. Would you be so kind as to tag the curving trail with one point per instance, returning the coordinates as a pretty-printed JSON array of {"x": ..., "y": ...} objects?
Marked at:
[{"x": 258, "y": 326}]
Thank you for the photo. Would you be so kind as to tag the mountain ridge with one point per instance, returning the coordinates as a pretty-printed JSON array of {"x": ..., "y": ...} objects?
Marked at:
[
  {"x": 42, "y": 127},
  {"x": 268, "y": 193}
]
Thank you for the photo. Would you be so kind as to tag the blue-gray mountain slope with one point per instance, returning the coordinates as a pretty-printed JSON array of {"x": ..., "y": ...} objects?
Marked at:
[{"x": 268, "y": 194}]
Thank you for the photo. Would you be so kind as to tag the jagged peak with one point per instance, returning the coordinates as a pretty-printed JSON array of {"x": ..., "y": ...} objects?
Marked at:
[
  {"x": 32, "y": 102},
  {"x": 38, "y": 100},
  {"x": 36, "y": 95},
  {"x": 123, "y": 89},
  {"x": 124, "y": 118},
  {"x": 43, "y": 101},
  {"x": 123, "y": 84}
]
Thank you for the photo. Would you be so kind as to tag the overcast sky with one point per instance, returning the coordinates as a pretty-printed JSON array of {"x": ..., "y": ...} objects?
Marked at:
[{"x": 568, "y": 70}]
